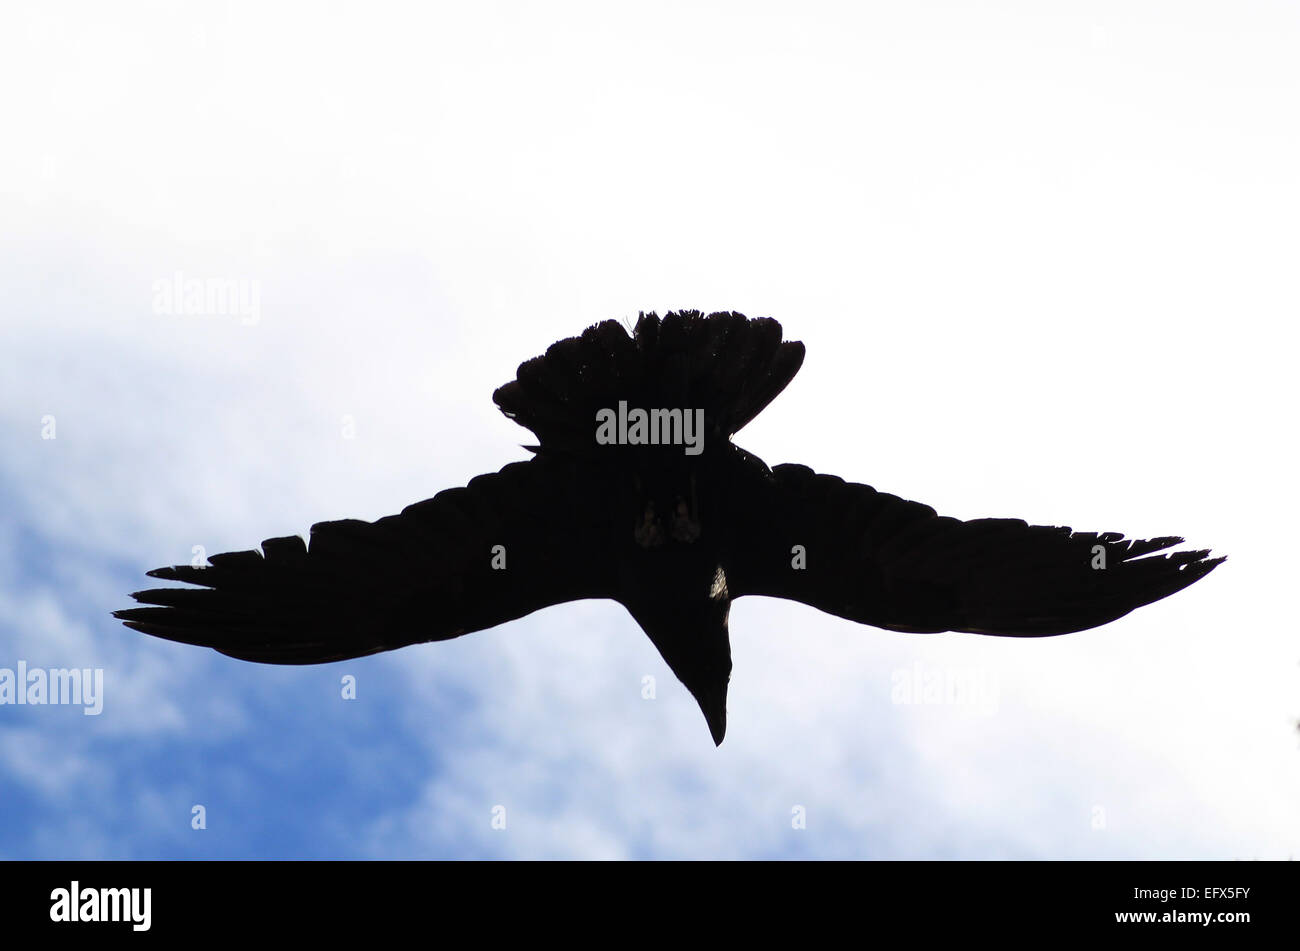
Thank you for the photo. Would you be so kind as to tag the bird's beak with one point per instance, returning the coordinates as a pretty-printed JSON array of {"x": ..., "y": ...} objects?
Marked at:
[{"x": 713, "y": 702}]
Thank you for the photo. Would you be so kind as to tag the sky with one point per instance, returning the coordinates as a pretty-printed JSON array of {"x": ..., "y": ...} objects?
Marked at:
[{"x": 1043, "y": 261}]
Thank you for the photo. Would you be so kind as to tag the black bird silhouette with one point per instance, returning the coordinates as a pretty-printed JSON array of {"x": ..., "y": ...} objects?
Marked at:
[{"x": 636, "y": 493}]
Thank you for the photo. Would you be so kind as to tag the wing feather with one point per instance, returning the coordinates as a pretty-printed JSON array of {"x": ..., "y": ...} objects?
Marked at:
[
  {"x": 426, "y": 574},
  {"x": 881, "y": 560}
]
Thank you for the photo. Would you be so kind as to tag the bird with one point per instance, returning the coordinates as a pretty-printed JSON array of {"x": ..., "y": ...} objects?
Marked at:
[{"x": 636, "y": 492}]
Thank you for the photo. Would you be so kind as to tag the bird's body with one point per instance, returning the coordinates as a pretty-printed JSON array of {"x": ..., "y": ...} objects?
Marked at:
[{"x": 636, "y": 493}]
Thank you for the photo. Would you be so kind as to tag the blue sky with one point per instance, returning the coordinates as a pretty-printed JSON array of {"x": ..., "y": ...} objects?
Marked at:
[{"x": 1063, "y": 243}]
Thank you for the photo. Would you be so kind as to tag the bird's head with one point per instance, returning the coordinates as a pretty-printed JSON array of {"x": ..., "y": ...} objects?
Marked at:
[{"x": 683, "y": 606}]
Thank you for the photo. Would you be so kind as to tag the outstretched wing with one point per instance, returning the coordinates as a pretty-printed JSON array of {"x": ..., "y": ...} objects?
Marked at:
[
  {"x": 881, "y": 560},
  {"x": 431, "y": 573}
]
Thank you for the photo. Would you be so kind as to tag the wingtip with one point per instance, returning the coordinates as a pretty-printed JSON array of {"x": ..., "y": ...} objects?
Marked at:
[{"x": 174, "y": 572}]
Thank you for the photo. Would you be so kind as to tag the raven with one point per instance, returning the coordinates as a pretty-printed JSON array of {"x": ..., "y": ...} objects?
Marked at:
[{"x": 635, "y": 492}]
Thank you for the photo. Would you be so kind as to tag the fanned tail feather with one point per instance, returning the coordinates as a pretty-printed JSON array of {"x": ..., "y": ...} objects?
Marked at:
[{"x": 725, "y": 364}]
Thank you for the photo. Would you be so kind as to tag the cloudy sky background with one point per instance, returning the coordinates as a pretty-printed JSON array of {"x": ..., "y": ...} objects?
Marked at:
[{"x": 1044, "y": 265}]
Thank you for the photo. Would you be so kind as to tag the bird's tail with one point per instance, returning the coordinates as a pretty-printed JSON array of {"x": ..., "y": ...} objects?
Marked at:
[{"x": 725, "y": 364}]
